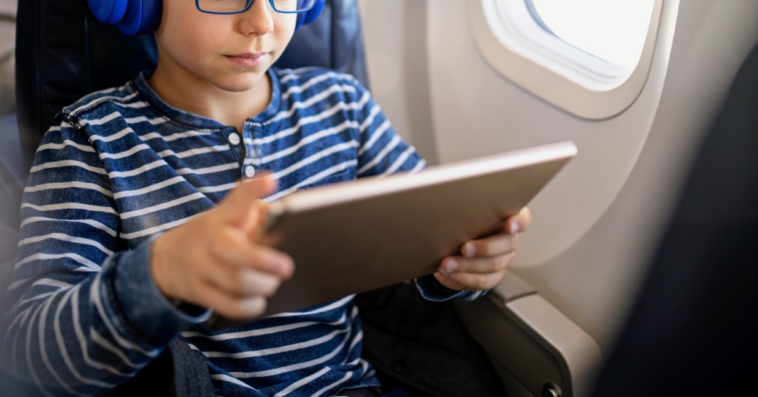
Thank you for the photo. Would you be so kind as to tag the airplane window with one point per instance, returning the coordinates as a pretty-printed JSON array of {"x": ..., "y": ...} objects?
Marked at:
[
  {"x": 611, "y": 30},
  {"x": 590, "y": 58}
]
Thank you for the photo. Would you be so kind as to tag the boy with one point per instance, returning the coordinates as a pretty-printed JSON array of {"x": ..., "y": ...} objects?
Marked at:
[{"x": 123, "y": 247}]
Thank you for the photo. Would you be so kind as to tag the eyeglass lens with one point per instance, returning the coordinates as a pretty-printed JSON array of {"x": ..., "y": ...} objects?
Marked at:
[{"x": 237, "y": 6}]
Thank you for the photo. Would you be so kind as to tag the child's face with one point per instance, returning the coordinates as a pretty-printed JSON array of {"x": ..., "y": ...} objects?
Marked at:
[{"x": 231, "y": 52}]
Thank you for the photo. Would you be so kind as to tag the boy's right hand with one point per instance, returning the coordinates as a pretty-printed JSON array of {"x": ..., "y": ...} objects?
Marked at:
[{"x": 213, "y": 260}]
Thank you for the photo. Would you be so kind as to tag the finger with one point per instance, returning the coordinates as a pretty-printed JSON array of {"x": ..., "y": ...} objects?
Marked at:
[
  {"x": 261, "y": 210},
  {"x": 498, "y": 244},
  {"x": 476, "y": 281},
  {"x": 229, "y": 306},
  {"x": 520, "y": 222},
  {"x": 243, "y": 282},
  {"x": 233, "y": 248},
  {"x": 459, "y": 264},
  {"x": 240, "y": 208},
  {"x": 448, "y": 283}
]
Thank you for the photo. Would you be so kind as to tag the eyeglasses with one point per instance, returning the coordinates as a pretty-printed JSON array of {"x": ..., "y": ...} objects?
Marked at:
[{"x": 240, "y": 6}]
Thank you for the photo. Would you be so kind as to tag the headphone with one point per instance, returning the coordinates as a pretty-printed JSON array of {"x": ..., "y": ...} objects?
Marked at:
[{"x": 135, "y": 17}]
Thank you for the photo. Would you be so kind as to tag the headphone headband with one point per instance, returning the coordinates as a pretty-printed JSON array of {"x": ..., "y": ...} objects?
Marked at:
[{"x": 135, "y": 17}]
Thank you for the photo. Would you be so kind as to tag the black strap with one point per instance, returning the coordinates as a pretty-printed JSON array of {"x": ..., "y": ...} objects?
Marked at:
[
  {"x": 191, "y": 376},
  {"x": 177, "y": 372}
]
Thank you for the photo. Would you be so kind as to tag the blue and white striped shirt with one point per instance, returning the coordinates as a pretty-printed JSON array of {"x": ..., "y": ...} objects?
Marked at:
[{"x": 121, "y": 166}]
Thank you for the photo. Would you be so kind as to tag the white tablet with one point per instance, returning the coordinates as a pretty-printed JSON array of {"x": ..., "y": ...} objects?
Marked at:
[{"x": 374, "y": 232}]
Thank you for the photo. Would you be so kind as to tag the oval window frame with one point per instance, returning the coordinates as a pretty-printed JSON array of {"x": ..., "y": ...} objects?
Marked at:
[{"x": 554, "y": 70}]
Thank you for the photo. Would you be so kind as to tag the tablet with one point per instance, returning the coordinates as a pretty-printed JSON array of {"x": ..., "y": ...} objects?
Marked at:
[{"x": 374, "y": 232}]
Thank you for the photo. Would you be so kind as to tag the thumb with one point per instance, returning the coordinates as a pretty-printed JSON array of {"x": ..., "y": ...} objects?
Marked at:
[{"x": 241, "y": 208}]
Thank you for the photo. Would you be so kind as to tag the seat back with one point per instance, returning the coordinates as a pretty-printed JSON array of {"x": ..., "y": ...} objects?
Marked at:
[
  {"x": 692, "y": 331},
  {"x": 11, "y": 172}
]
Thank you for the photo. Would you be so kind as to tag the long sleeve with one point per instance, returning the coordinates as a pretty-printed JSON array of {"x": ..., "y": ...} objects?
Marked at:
[
  {"x": 383, "y": 152},
  {"x": 85, "y": 313}
]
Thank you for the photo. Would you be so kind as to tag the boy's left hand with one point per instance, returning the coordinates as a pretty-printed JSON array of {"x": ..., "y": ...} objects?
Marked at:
[{"x": 483, "y": 263}]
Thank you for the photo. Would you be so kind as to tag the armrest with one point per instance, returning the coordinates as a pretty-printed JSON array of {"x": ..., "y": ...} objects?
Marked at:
[{"x": 536, "y": 348}]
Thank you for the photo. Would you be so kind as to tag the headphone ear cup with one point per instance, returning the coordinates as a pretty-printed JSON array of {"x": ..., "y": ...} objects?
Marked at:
[
  {"x": 304, "y": 18},
  {"x": 108, "y": 11},
  {"x": 300, "y": 20},
  {"x": 142, "y": 16}
]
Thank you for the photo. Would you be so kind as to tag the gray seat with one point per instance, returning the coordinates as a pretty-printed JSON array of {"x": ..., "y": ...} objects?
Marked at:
[
  {"x": 12, "y": 175},
  {"x": 11, "y": 169},
  {"x": 11, "y": 186}
]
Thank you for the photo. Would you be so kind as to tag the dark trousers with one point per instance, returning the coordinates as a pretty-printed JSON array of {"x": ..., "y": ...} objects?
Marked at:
[{"x": 418, "y": 348}]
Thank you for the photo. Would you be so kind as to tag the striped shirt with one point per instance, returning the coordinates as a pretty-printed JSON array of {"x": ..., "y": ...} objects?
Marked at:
[{"x": 121, "y": 166}]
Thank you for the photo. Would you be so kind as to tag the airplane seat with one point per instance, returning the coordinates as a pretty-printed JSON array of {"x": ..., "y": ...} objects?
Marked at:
[
  {"x": 692, "y": 330},
  {"x": 63, "y": 53},
  {"x": 10, "y": 163},
  {"x": 11, "y": 182}
]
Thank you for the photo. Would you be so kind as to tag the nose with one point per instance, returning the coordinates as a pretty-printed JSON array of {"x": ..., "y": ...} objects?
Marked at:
[{"x": 257, "y": 20}]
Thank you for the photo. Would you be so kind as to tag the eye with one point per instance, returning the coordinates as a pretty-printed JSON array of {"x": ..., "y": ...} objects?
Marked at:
[
  {"x": 222, "y": 6},
  {"x": 293, "y": 5}
]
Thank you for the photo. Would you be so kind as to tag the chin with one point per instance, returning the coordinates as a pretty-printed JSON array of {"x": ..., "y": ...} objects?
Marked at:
[{"x": 239, "y": 82}]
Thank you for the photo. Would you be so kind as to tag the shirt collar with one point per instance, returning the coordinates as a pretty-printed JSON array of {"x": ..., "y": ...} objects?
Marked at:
[{"x": 201, "y": 122}]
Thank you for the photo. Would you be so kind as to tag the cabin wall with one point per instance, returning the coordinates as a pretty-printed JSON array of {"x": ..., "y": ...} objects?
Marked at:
[
  {"x": 595, "y": 279},
  {"x": 395, "y": 35},
  {"x": 594, "y": 226}
]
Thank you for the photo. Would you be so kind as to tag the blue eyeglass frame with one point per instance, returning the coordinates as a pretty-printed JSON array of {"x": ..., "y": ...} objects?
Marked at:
[{"x": 250, "y": 4}]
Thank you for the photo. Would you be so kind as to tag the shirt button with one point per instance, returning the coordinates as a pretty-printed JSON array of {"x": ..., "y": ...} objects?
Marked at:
[
  {"x": 249, "y": 171},
  {"x": 234, "y": 139}
]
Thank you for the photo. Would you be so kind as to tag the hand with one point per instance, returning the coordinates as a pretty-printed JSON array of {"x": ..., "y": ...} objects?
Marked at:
[
  {"x": 483, "y": 263},
  {"x": 214, "y": 262}
]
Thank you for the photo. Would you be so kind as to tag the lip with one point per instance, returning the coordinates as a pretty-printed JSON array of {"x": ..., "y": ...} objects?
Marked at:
[{"x": 249, "y": 59}]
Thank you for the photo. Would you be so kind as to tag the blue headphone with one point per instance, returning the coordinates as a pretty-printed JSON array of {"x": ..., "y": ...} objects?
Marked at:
[{"x": 135, "y": 17}]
